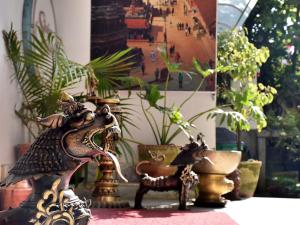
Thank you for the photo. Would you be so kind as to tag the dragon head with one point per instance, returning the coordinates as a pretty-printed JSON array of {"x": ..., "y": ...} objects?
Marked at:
[{"x": 80, "y": 126}]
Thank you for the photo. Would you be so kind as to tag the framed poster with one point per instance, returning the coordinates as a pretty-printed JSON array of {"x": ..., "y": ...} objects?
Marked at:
[{"x": 185, "y": 28}]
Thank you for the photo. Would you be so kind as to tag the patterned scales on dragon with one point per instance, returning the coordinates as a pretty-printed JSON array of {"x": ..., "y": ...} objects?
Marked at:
[
  {"x": 53, "y": 158},
  {"x": 184, "y": 178}
]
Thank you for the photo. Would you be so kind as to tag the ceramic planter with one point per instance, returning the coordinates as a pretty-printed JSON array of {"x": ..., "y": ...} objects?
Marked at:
[
  {"x": 155, "y": 160},
  {"x": 249, "y": 175},
  {"x": 163, "y": 153},
  {"x": 13, "y": 195}
]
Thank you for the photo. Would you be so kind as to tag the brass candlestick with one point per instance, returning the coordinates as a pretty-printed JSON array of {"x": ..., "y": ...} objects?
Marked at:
[{"x": 106, "y": 194}]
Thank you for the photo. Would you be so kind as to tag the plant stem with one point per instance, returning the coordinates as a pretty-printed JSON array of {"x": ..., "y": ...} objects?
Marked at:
[
  {"x": 130, "y": 140},
  {"x": 164, "y": 133},
  {"x": 193, "y": 93},
  {"x": 149, "y": 121},
  {"x": 185, "y": 101},
  {"x": 155, "y": 123},
  {"x": 193, "y": 118}
]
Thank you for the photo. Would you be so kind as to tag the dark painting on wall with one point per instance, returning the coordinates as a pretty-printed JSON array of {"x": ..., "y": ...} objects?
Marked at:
[{"x": 185, "y": 28}]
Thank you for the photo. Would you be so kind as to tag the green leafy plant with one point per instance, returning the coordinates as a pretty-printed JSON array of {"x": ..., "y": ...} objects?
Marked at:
[
  {"x": 279, "y": 31},
  {"x": 244, "y": 95},
  {"x": 41, "y": 73},
  {"x": 287, "y": 127},
  {"x": 111, "y": 72},
  {"x": 238, "y": 59},
  {"x": 152, "y": 99},
  {"x": 284, "y": 186}
]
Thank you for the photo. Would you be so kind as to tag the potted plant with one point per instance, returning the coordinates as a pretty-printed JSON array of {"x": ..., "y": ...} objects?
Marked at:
[
  {"x": 151, "y": 100},
  {"x": 243, "y": 94}
]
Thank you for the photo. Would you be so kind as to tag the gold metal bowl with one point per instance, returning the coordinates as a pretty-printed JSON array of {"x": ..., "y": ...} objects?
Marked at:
[
  {"x": 213, "y": 182},
  {"x": 225, "y": 162}
]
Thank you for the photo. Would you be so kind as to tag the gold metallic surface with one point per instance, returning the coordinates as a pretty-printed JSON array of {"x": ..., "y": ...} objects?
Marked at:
[
  {"x": 46, "y": 214},
  {"x": 212, "y": 177},
  {"x": 106, "y": 194},
  {"x": 166, "y": 152},
  {"x": 211, "y": 187},
  {"x": 224, "y": 162},
  {"x": 155, "y": 169}
]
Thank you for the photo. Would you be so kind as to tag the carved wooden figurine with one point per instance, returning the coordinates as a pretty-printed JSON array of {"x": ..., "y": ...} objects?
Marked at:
[
  {"x": 51, "y": 161},
  {"x": 181, "y": 181}
]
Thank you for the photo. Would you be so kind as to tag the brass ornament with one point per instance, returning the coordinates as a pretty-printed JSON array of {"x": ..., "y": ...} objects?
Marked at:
[
  {"x": 55, "y": 155},
  {"x": 66, "y": 97},
  {"x": 106, "y": 193},
  {"x": 55, "y": 211},
  {"x": 182, "y": 181}
]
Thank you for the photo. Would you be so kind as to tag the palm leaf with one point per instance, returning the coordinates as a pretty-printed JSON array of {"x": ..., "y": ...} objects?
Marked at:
[
  {"x": 109, "y": 70},
  {"x": 41, "y": 73}
]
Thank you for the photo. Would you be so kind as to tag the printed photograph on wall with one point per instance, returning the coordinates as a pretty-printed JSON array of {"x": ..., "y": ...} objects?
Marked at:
[{"x": 185, "y": 28}]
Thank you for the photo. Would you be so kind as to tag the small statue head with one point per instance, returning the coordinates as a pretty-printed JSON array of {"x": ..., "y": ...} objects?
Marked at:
[{"x": 82, "y": 126}]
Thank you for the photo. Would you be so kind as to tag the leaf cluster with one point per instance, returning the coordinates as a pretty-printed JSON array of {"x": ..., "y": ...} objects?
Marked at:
[
  {"x": 244, "y": 95},
  {"x": 41, "y": 72},
  {"x": 111, "y": 72},
  {"x": 152, "y": 99},
  {"x": 275, "y": 24}
]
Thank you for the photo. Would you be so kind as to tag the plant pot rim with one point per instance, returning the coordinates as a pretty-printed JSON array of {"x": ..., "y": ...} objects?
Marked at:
[{"x": 251, "y": 162}]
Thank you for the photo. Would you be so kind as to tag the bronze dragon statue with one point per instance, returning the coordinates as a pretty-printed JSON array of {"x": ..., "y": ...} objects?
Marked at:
[
  {"x": 182, "y": 180},
  {"x": 52, "y": 159}
]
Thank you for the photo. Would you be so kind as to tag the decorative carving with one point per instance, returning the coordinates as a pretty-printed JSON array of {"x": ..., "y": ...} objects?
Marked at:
[
  {"x": 56, "y": 154},
  {"x": 54, "y": 211},
  {"x": 157, "y": 156},
  {"x": 181, "y": 181}
]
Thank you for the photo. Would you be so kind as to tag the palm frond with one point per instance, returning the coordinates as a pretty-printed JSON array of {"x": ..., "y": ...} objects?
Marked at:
[
  {"x": 41, "y": 73},
  {"x": 110, "y": 69}
]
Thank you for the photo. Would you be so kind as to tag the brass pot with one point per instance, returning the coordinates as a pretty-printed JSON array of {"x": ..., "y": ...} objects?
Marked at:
[
  {"x": 213, "y": 182},
  {"x": 225, "y": 162}
]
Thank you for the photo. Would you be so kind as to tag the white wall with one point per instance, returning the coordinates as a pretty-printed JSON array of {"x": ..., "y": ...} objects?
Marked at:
[
  {"x": 73, "y": 24},
  {"x": 200, "y": 102},
  {"x": 11, "y": 131}
]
